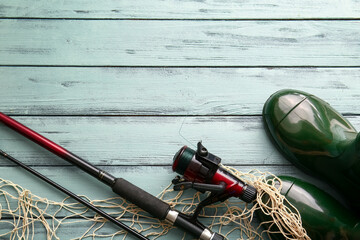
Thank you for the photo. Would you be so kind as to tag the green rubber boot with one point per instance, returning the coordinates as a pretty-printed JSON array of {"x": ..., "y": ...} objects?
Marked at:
[
  {"x": 317, "y": 139},
  {"x": 323, "y": 217}
]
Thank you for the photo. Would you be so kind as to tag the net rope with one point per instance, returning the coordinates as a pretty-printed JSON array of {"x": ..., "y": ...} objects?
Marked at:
[{"x": 22, "y": 213}]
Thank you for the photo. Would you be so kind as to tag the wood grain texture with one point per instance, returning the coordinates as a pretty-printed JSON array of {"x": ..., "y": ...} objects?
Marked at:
[
  {"x": 179, "y": 43},
  {"x": 145, "y": 141},
  {"x": 168, "y": 91},
  {"x": 193, "y": 9}
]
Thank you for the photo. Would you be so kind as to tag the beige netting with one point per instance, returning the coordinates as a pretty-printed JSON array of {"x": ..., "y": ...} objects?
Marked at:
[{"x": 22, "y": 212}]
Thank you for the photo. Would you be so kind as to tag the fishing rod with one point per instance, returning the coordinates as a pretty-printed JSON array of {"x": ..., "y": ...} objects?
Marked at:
[
  {"x": 74, "y": 196},
  {"x": 122, "y": 187}
]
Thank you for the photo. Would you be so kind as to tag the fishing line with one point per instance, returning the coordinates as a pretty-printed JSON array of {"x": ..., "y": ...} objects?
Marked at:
[{"x": 182, "y": 136}]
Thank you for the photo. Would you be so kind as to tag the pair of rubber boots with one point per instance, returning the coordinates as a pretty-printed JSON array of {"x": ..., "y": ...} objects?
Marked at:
[{"x": 320, "y": 141}]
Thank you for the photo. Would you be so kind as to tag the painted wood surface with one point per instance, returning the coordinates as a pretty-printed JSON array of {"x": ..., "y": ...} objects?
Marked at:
[
  {"x": 146, "y": 141},
  {"x": 124, "y": 84},
  {"x": 168, "y": 91},
  {"x": 179, "y": 43},
  {"x": 190, "y": 9}
]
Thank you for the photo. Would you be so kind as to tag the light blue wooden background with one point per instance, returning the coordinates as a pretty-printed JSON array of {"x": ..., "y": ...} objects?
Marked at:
[{"x": 119, "y": 82}]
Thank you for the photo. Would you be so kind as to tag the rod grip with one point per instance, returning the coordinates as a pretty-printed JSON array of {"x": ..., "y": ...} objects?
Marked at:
[{"x": 140, "y": 198}]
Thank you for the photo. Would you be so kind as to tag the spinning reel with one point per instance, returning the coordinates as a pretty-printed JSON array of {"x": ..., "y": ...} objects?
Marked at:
[{"x": 201, "y": 171}]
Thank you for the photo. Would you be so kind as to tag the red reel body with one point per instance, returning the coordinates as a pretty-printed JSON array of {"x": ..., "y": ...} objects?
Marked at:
[{"x": 201, "y": 170}]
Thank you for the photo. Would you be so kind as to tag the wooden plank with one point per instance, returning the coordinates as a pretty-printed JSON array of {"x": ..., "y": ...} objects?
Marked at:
[
  {"x": 142, "y": 140},
  {"x": 152, "y": 179},
  {"x": 145, "y": 140},
  {"x": 179, "y": 43},
  {"x": 155, "y": 9},
  {"x": 168, "y": 91},
  {"x": 75, "y": 231}
]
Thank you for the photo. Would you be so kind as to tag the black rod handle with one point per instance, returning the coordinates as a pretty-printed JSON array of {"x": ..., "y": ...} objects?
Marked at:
[
  {"x": 162, "y": 210},
  {"x": 141, "y": 198}
]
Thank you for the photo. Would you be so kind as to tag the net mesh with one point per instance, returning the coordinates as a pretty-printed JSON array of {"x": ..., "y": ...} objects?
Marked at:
[{"x": 22, "y": 213}]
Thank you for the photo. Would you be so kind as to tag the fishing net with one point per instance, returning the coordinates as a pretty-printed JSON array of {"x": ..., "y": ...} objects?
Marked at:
[{"x": 22, "y": 214}]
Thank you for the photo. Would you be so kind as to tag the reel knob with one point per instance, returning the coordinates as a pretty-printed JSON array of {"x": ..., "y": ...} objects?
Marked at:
[{"x": 249, "y": 194}]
